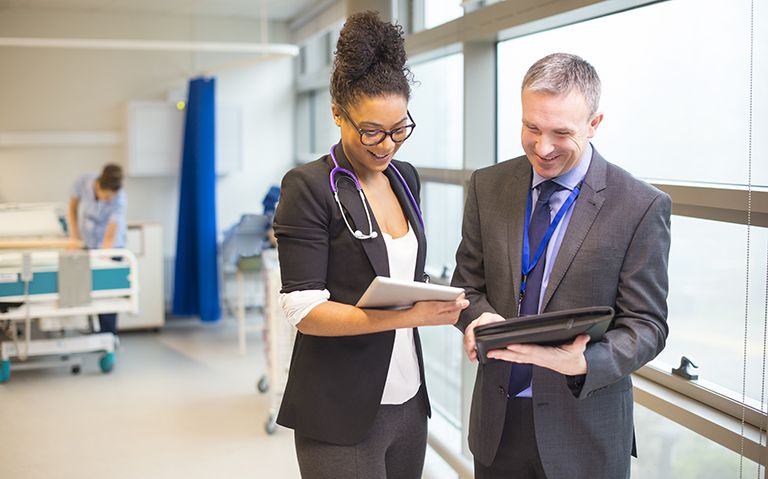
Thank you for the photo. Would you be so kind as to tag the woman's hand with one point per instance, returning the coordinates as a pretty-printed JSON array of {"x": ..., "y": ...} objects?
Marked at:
[{"x": 437, "y": 313}]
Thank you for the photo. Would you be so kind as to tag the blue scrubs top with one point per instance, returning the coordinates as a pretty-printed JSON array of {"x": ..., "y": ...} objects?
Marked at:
[{"x": 94, "y": 215}]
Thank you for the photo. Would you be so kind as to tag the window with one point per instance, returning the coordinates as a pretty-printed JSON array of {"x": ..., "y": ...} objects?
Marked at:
[
  {"x": 676, "y": 106},
  {"x": 437, "y": 108},
  {"x": 428, "y": 14},
  {"x": 442, "y": 348},
  {"x": 676, "y": 97},
  {"x": 304, "y": 126},
  {"x": 315, "y": 129},
  {"x": 329, "y": 45},
  {"x": 675, "y": 91},
  {"x": 326, "y": 131},
  {"x": 667, "y": 450},
  {"x": 302, "y": 60},
  {"x": 706, "y": 302},
  {"x": 442, "y": 207},
  {"x": 437, "y": 12}
]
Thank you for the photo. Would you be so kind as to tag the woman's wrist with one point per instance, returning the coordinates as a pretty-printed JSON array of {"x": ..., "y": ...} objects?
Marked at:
[{"x": 394, "y": 318}]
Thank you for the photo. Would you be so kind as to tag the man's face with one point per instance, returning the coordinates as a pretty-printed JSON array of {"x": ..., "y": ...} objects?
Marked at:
[{"x": 556, "y": 128}]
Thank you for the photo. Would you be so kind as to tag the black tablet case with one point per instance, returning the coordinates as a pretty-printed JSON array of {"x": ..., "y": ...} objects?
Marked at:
[{"x": 554, "y": 328}]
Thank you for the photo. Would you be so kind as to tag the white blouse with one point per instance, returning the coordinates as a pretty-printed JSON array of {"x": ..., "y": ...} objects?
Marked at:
[{"x": 403, "y": 379}]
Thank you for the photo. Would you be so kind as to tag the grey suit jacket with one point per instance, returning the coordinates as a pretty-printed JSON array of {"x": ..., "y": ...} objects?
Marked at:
[{"x": 614, "y": 253}]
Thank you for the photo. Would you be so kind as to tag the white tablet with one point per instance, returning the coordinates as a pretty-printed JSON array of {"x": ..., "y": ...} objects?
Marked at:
[{"x": 388, "y": 293}]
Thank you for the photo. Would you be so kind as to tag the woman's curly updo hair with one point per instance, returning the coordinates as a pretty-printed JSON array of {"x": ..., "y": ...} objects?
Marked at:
[{"x": 369, "y": 60}]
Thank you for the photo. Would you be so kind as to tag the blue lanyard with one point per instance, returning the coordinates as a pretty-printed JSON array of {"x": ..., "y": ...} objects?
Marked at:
[{"x": 528, "y": 262}]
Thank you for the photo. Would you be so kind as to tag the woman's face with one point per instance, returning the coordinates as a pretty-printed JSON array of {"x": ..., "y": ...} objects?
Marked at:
[
  {"x": 371, "y": 113},
  {"x": 103, "y": 194}
]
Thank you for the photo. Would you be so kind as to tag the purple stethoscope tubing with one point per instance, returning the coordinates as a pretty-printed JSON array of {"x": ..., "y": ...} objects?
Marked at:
[{"x": 357, "y": 233}]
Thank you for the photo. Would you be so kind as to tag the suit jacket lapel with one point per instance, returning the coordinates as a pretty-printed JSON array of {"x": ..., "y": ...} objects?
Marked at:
[
  {"x": 413, "y": 218},
  {"x": 515, "y": 199},
  {"x": 585, "y": 211},
  {"x": 375, "y": 248}
]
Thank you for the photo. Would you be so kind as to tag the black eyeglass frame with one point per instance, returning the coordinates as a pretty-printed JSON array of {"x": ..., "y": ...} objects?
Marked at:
[{"x": 363, "y": 131}]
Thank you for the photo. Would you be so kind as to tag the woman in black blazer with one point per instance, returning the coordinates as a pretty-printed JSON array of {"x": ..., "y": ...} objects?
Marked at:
[{"x": 355, "y": 395}]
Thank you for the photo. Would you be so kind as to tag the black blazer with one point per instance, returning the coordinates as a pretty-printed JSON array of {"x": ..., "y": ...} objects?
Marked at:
[{"x": 335, "y": 384}]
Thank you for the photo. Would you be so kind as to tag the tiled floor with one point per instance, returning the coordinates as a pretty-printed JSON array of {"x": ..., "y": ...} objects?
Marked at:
[{"x": 181, "y": 403}]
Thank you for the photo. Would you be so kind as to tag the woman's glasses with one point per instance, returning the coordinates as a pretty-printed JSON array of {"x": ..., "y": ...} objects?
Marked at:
[{"x": 372, "y": 137}]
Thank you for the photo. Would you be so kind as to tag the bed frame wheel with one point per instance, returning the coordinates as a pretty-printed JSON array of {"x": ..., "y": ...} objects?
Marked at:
[
  {"x": 271, "y": 425},
  {"x": 5, "y": 371},
  {"x": 107, "y": 362},
  {"x": 263, "y": 385}
]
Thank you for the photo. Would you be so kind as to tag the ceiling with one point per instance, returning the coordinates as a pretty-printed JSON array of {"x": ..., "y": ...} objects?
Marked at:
[{"x": 280, "y": 10}]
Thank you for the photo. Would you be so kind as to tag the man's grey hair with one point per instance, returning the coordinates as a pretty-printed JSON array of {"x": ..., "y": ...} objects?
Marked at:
[{"x": 559, "y": 73}]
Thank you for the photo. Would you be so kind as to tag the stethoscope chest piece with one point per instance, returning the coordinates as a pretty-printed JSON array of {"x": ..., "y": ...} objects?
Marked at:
[{"x": 356, "y": 233}]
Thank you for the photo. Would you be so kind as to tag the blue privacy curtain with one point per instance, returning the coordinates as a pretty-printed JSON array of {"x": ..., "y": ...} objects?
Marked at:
[{"x": 196, "y": 275}]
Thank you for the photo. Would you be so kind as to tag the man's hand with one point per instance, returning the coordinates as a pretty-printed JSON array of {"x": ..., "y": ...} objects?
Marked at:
[
  {"x": 567, "y": 359},
  {"x": 469, "y": 333}
]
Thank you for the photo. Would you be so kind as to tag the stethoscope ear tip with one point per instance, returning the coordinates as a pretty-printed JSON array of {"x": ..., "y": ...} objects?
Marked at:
[{"x": 374, "y": 234}]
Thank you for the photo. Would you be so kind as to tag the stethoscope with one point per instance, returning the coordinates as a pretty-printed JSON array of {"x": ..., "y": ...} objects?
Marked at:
[{"x": 334, "y": 188}]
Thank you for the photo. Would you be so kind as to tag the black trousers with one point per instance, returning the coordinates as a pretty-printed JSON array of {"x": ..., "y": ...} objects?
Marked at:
[
  {"x": 518, "y": 455},
  {"x": 394, "y": 448},
  {"x": 108, "y": 323}
]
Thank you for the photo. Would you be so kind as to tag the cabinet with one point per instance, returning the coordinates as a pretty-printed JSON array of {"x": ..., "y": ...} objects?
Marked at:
[{"x": 146, "y": 242}]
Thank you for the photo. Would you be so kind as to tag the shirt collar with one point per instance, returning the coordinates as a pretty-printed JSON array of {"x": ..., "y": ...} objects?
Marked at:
[{"x": 571, "y": 178}]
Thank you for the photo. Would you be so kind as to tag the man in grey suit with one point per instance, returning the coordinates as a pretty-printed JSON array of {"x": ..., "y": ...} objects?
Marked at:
[{"x": 566, "y": 411}]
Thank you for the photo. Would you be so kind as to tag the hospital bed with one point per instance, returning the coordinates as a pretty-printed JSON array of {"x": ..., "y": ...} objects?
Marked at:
[{"x": 39, "y": 279}]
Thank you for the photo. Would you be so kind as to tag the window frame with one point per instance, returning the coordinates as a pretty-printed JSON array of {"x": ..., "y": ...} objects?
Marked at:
[{"x": 688, "y": 403}]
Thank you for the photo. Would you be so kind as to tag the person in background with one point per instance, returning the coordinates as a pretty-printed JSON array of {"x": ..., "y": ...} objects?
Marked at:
[
  {"x": 596, "y": 236},
  {"x": 270, "y": 204},
  {"x": 97, "y": 218},
  {"x": 356, "y": 397}
]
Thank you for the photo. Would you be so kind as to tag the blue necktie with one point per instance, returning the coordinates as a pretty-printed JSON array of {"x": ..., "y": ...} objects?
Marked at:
[{"x": 520, "y": 376}]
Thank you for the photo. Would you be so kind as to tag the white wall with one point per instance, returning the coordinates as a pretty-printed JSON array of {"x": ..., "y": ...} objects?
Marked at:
[
  {"x": 265, "y": 92},
  {"x": 71, "y": 90}
]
